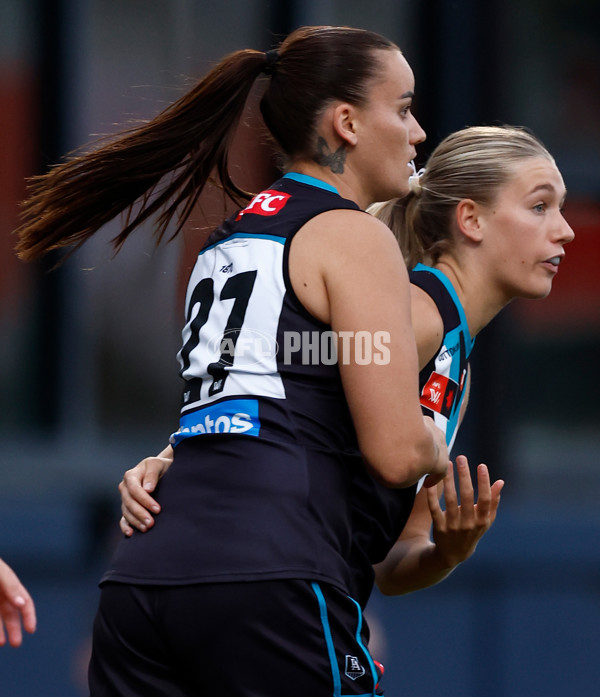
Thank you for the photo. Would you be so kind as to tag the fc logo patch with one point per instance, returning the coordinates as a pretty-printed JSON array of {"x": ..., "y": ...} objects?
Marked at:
[{"x": 268, "y": 202}]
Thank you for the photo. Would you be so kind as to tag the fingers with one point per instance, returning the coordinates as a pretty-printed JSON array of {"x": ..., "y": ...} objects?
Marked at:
[
  {"x": 465, "y": 483},
  {"x": 496, "y": 491},
  {"x": 15, "y": 616},
  {"x": 433, "y": 501},
  {"x": 12, "y": 625},
  {"x": 27, "y": 607},
  {"x": 470, "y": 511},
  {"x": 488, "y": 498},
  {"x": 126, "y": 529},
  {"x": 139, "y": 501},
  {"x": 17, "y": 609},
  {"x": 134, "y": 515},
  {"x": 154, "y": 468},
  {"x": 137, "y": 506},
  {"x": 432, "y": 480},
  {"x": 451, "y": 500}
]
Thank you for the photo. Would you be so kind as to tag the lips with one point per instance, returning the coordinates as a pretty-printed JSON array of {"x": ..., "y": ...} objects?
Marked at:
[{"x": 552, "y": 263}]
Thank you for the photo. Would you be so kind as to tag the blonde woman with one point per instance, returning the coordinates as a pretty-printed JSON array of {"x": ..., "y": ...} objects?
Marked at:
[{"x": 481, "y": 226}]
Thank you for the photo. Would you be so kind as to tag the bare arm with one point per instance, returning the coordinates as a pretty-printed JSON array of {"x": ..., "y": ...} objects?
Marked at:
[
  {"x": 358, "y": 282},
  {"x": 423, "y": 555},
  {"x": 16, "y": 607}
]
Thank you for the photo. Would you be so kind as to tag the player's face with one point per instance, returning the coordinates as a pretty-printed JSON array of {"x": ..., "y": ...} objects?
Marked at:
[
  {"x": 388, "y": 131},
  {"x": 526, "y": 230}
]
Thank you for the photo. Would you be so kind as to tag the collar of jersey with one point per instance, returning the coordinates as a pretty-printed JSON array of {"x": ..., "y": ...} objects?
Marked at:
[
  {"x": 450, "y": 288},
  {"x": 312, "y": 181}
]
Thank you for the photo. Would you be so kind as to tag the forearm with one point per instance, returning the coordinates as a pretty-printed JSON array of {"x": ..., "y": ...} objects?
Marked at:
[{"x": 411, "y": 566}]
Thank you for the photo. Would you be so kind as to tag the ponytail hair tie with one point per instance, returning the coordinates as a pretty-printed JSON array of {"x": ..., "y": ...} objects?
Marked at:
[
  {"x": 414, "y": 181},
  {"x": 271, "y": 57}
]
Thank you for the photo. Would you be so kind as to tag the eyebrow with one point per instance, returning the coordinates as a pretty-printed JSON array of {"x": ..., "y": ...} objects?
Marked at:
[
  {"x": 543, "y": 187},
  {"x": 407, "y": 95},
  {"x": 547, "y": 187}
]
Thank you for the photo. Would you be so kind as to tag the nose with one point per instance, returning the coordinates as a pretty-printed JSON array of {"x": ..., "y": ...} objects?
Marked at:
[
  {"x": 565, "y": 232},
  {"x": 417, "y": 134}
]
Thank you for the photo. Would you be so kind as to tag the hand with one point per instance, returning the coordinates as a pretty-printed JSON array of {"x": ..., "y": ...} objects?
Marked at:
[
  {"x": 16, "y": 606},
  {"x": 458, "y": 529},
  {"x": 135, "y": 489},
  {"x": 440, "y": 470}
]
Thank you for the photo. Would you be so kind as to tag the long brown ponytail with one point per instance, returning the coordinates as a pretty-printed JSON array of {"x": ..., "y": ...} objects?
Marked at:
[
  {"x": 163, "y": 166},
  {"x": 179, "y": 150}
]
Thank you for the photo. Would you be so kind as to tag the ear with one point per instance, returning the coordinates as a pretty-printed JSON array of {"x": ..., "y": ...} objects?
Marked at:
[
  {"x": 344, "y": 122},
  {"x": 469, "y": 219}
]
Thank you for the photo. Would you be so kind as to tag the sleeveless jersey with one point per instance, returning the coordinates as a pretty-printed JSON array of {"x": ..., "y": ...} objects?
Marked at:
[
  {"x": 266, "y": 447},
  {"x": 379, "y": 513}
]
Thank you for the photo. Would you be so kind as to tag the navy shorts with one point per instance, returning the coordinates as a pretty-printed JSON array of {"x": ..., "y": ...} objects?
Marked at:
[{"x": 258, "y": 639}]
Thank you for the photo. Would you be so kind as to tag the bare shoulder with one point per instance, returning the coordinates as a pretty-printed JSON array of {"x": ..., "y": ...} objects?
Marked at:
[
  {"x": 345, "y": 250},
  {"x": 335, "y": 226},
  {"x": 428, "y": 325}
]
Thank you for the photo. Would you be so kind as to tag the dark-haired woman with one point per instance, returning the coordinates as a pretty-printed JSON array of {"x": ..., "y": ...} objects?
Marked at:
[{"x": 299, "y": 364}]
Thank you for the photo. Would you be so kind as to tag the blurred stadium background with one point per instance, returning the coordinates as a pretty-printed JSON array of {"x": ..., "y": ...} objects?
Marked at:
[{"x": 87, "y": 353}]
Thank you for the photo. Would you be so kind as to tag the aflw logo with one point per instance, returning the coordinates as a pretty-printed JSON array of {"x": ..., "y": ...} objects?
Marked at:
[
  {"x": 440, "y": 394},
  {"x": 435, "y": 392},
  {"x": 268, "y": 202}
]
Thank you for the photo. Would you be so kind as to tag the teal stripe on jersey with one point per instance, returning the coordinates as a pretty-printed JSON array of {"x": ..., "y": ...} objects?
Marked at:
[
  {"x": 450, "y": 288},
  {"x": 312, "y": 181},
  {"x": 244, "y": 235}
]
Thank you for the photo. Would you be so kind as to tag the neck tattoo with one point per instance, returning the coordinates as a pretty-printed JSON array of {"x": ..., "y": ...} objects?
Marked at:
[{"x": 334, "y": 160}]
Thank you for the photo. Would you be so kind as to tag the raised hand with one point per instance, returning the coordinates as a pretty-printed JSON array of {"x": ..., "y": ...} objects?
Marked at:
[{"x": 457, "y": 529}]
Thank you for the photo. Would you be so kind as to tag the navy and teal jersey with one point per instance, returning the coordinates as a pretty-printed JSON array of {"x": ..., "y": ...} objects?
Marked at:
[
  {"x": 266, "y": 447},
  {"x": 379, "y": 513},
  {"x": 252, "y": 355},
  {"x": 442, "y": 381}
]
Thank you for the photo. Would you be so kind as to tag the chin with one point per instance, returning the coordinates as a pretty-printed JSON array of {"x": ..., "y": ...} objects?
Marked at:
[
  {"x": 403, "y": 190},
  {"x": 538, "y": 293}
]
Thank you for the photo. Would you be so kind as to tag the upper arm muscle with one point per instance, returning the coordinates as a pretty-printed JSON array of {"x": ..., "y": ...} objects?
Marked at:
[{"x": 358, "y": 282}]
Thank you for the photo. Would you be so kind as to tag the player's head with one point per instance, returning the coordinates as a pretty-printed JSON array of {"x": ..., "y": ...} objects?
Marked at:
[
  {"x": 313, "y": 67},
  {"x": 477, "y": 165},
  {"x": 339, "y": 90}
]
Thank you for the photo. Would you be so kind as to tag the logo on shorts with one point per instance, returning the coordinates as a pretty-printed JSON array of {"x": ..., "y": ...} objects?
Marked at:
[{"x": 354, "y": 669}]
